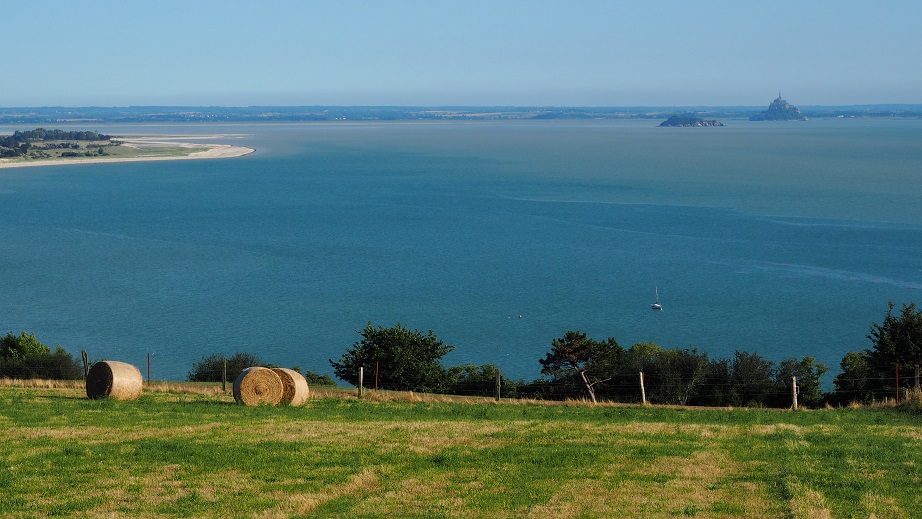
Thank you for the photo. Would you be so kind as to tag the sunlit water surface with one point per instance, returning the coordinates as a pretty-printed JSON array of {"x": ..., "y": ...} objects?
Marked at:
[{"x": 784, "y": 239}]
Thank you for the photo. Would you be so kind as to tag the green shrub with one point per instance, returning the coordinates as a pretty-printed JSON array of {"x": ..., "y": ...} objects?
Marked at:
[
  {"x": 912, "y": 403},
  {"x": 24, "y": 357},
  {"x": 406, "y": 360},
  {"x": 211, "y": 368},
  {"x": 316, "y": 379}
]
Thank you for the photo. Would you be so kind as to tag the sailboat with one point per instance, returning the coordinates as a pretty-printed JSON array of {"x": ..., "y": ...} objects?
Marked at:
[{"x": 656, "y": 305}]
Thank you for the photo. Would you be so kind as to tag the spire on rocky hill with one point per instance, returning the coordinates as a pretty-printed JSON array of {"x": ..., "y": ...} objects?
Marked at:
[{"x": 780, "y": 110}]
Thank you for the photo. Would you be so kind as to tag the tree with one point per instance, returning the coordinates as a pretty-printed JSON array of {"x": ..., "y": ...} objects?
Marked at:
[
  {"x": 474, "y": 380},
  {"x": 670, "y": 376},
  {"x": 23, "y": 356},
  {"x": 678, "y": 375},
  {"x": 575, "y": 354},
  {"x": 20, "y": 347},
  {"x": 717, "y": 389},
  {"x": 211, "y": 368},
  {"x": 808, "y": 373},
  {"x": 471, "y": 379},
  {"x": 752, "y": 379},
  {"x": 406, "y": 360},
  {"x": 55, "y": 365},
  {"x": 898, "y": 340},
  {"x": 853, "y": 383}
]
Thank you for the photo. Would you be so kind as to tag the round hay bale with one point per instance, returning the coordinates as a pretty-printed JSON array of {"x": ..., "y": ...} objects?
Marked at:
[
  {"x": 256, "y": 385},
  {"x": 118, "y": 380},
  {"x": 295, "y": 387}
]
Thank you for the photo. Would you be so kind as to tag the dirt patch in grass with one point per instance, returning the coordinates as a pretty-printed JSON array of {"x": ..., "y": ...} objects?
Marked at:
[
  {"x": 807, "y": 503},
  {"x": 644, "y": 429},
  {"x": 300, "y": 504},
  {"x": 880, "y": 507},
  {"x": 775, "y": 428},
  {"x": 911, "y": 433},
  {"x": 697, "y": 483},
  {"x": 417, "y": 497},
  {"x": 162, "y": 485},
  {"x": 431, "y": 438},
  {"x": 90, "y": 435},
  {"x": 405, "y": 436}
]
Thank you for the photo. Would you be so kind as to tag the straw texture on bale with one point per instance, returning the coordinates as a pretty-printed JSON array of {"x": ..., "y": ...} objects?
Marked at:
[
  {"x": 114, "y": 379},
  {"x": 257, "y": 385},
  {"x": 295, "y": 390}
]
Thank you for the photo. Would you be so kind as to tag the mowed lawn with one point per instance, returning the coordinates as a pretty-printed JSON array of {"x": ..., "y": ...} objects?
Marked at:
[{"x": 180, "y": 454}]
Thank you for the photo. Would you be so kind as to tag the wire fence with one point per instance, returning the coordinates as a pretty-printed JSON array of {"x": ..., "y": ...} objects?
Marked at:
[{"x": 657, "y": 388}]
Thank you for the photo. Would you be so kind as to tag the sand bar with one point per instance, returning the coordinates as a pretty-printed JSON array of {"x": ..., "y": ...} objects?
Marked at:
[{"x": 208, "y": 151}]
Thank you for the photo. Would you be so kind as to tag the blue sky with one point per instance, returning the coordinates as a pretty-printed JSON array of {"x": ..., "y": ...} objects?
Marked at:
[{"x": 563, "y": 53}]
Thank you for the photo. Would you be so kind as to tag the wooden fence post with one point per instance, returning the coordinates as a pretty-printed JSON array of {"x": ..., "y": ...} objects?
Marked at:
[
  {"x": 897, "y": 383},
  {"x": 916, "y": 385},
  {"x": 794, "y": 393},
  {"x": 224, "y": 377},
  {"x": 86, "y": 364},
  {"x": 361, "y": 382},
  {"x": 643, "y": 392},
  {"x": 148, "y": 369},
  {"x": 498, "y": 381}
]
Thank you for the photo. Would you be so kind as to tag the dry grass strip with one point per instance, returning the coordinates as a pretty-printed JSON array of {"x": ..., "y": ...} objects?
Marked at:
[
  {"x": 300, "y": 504},
  {"x": 691, "y": 487},
  {"x": 807, "y": 503}
]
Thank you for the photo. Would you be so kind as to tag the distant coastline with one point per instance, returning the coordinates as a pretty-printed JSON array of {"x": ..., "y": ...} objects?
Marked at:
[
  {"x": 215, "y": 114},
  {"x": 147, "y": 149}
]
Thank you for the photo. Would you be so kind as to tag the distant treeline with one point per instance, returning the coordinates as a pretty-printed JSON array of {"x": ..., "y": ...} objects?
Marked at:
[
  {"x": 171, "y": 114},
  {"x": 168, "y": 114},
  {"x": 41, "y": 134},
  {"x": 20, "y": 142}
]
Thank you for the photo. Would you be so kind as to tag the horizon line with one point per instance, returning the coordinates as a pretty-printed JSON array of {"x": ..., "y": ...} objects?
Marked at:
[{"x": 437, "y": 106}]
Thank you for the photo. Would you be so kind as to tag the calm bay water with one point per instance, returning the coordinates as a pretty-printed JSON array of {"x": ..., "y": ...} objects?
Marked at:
[{"x": 784, "y": 239}]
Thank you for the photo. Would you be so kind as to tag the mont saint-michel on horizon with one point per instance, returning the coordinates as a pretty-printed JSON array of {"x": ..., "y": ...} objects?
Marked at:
[{"x": 780, "y": 110}]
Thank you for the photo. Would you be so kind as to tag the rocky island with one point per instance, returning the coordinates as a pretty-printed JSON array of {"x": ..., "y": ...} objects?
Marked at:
[
  {"x": 689, "y": 120},
  {"x": 779, "y": 110}
]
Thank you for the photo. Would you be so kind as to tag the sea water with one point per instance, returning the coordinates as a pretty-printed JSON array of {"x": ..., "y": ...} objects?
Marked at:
[{"x": 785, "y": 239}]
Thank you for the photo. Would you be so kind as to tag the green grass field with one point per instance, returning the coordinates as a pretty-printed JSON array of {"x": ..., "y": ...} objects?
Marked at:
[{"x": 185, "y": 454}]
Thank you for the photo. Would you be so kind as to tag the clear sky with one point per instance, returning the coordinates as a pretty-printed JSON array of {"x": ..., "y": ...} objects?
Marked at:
[{"x": 464, "y": 52}]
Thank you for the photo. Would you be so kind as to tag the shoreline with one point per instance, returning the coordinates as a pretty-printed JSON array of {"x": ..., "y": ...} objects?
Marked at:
[{"x": 209, "y": 151}]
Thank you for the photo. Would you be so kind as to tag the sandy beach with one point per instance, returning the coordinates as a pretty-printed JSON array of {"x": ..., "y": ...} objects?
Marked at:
[{"x": 208, "y": 151}]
